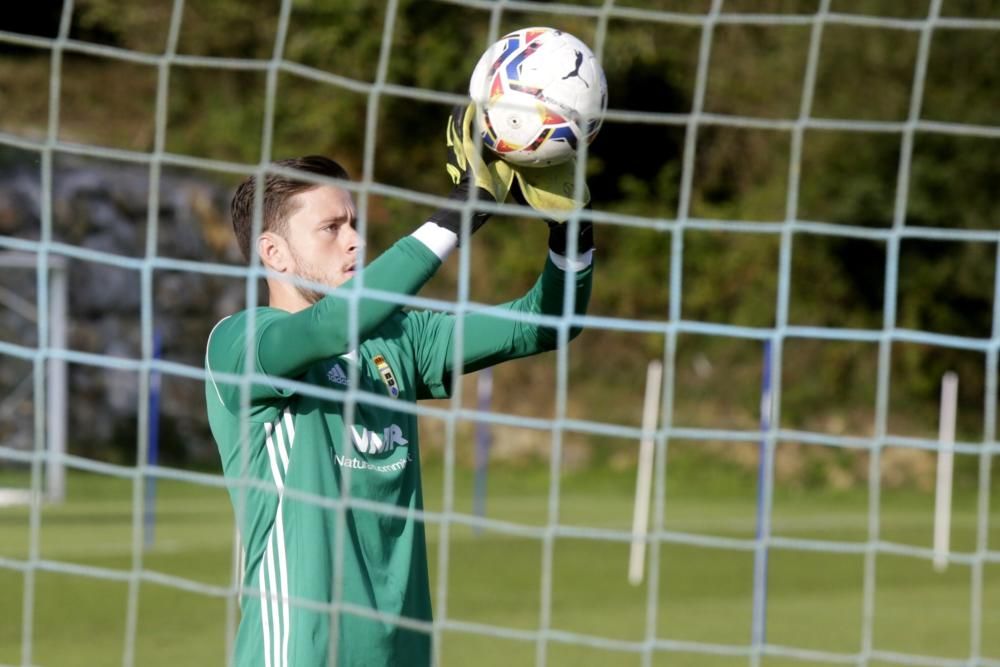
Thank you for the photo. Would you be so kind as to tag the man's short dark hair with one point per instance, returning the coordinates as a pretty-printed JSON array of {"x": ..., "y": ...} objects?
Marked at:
[{"x": 279, "y": 191}]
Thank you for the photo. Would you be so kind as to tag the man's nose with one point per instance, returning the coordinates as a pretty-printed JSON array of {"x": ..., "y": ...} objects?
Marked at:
[{"x": 354, "y": 240}]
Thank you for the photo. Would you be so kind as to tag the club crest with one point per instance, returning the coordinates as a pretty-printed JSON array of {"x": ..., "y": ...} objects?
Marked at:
[{"x": 388, "y": 377}]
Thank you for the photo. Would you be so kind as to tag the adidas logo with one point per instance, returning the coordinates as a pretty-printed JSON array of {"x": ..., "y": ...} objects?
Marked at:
[{"x": 337, "y": 376}]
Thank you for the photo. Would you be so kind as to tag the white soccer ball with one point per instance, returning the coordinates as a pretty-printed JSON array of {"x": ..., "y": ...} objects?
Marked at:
[{"x": 540, "y": 93}]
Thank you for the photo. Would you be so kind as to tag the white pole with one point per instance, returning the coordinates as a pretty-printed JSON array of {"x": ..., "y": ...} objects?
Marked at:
[
  {"x": 644, "y": 479},
  {"x": 56, "y": 401},
  {"x": 946, "y": 454},
  {"x": 57, "y": 391}
]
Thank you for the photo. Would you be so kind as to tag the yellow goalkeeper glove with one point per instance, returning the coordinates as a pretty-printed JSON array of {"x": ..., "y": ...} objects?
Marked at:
[
  {"x": 481, "y": 166},
  {"x": 469, "y": 169},
  {"x": 550, "y": 190}
]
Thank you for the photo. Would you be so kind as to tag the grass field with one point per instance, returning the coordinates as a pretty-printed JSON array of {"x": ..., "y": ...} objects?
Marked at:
[{"x": 815, "y": 598}]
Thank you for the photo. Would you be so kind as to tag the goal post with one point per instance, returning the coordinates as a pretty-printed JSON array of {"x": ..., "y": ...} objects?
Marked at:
[
  {"x": 56, "y": 378},
  {"x": 945, "y": 470},
  {"x": 644, "y": 472}
]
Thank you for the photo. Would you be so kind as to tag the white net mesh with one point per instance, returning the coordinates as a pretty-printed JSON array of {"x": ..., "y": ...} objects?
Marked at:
[{"x": 538, "y": 623}]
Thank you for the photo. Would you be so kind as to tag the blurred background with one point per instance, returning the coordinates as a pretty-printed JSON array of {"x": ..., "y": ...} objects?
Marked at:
[{"x": 848, "y": 179}]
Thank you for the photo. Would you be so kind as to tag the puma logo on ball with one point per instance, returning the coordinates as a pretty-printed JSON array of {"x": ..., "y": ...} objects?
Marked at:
[{"x": 576, "y": 70}]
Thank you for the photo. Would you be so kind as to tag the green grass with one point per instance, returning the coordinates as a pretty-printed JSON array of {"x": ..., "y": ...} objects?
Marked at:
[{"x": 815, "y": 598}]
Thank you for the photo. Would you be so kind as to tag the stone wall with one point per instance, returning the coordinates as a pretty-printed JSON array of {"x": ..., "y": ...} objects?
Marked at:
[{"x": 104, "y": 206}]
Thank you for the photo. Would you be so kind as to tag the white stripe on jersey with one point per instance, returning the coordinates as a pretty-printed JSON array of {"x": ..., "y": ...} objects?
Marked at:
[
  {"x": 273, "y": 458},
  {"x": 289, "y": 428},
  {"x": 283, "y": 573},
  {"x": 272, "y": 606},
  {"x": 272, "y": 588},
  {"x": 282, "y": 559},
  {"x": 277, "y": 588},
  {"x": 265, "y": 607},
  {"x": 282, "y": 452}
]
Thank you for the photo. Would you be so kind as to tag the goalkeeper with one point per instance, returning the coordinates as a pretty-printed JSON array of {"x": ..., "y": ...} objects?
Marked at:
[{"x": 298, "y": 445}]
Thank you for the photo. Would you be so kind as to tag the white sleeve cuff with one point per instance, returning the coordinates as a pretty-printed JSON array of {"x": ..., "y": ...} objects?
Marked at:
[
  {"x": 579, "y": 264},
  {"x": 439, "y": 240}
]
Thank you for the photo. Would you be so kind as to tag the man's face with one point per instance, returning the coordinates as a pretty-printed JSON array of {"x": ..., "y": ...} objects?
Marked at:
[{"x": 322, "y": 238}]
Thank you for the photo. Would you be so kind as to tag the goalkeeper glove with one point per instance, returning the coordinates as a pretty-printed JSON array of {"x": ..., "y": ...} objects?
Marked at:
[
  {"x": 470, "y": 168},
  {"x": 549, "y": 190}
]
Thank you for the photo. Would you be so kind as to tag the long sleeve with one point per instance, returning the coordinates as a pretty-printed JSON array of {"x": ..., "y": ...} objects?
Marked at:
[
  {"x": 488, "y": 339},
  {"x": 287, "y": 343}
]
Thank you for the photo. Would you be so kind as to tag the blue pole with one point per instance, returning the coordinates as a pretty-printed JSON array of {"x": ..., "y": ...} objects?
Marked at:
[
  {"x": 149, "y": 518},
  {"x": 484, "y": 438},
  {"x": 759, "y": 628}
]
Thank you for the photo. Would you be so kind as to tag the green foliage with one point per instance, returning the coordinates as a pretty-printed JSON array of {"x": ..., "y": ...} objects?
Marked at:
[
  {"x": 730, "y": 278},
  {"x": 846, "y": 177}
]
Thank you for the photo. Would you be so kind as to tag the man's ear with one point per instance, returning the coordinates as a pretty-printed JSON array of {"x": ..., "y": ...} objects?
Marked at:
[{"x": 273, "y": 251}]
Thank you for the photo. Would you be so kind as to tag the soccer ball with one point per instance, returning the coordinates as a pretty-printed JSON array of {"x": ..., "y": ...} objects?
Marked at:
[{"x": 539, "y": 93}]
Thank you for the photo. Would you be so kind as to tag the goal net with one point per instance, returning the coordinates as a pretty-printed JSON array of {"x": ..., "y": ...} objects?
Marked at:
[{"x": 796, "y": 216}]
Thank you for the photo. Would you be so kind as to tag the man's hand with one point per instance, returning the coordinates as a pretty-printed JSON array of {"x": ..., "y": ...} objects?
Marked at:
[
  {"x": 468, "y": 168},
  {"x": 550, "y": 190},
  {"x": 476, "y": 163}
]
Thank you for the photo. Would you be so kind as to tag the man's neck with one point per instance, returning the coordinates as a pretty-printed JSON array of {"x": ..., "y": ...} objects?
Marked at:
[{"x": 283, "y": 296}]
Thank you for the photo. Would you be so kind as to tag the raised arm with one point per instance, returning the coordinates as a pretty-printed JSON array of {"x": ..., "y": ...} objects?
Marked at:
[
  {"x": 288, "y": 344},
  {"x": 488, "y": 338},
  {"x": 285, "y": 344}
]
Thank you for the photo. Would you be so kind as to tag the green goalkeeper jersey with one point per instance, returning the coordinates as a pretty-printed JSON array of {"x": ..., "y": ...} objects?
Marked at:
[{"x": 302, "y": 454}]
